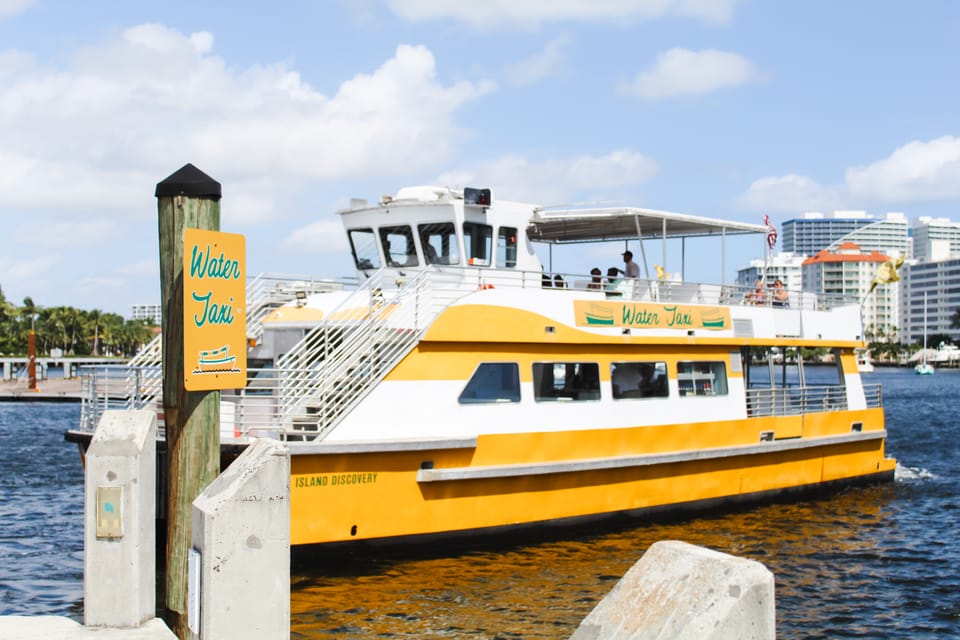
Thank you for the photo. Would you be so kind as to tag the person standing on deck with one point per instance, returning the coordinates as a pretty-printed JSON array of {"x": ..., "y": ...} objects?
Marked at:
[{"x": 631, "y": 269}]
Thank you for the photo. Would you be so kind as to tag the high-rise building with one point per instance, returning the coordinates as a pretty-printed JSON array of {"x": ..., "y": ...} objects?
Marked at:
[
  {"x": 940, "y": 281},
  {"x": 845, "y": 273},
  {"x": 814, "y": 232},
  {"x": 146, "y": 312},
  {"x": 788, "y": 267},
  {"x": 935, "y": 238}
]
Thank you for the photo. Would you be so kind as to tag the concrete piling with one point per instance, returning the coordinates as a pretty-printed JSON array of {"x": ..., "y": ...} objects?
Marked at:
[
  {"x": 119, "y": 534},
  {"x": 681, "y": 591},
  {"x": 240, "y": 560}
]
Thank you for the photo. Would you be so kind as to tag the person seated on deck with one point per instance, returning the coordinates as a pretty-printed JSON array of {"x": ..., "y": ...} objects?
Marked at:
[
  {"x": 781, "y": 297},
  {"x": 596, "y": 279},
  {"x": 613, "y": 282},
  {"x": 758, "y": 296},
  {"x": 558, "y": 282},
  {"x": 545, "y": 281}
]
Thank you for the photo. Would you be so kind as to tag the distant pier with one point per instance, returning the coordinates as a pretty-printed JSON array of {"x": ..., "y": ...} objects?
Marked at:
[
  {"x": 14, "y": 383},
  {"x": 17, "y": 366}
]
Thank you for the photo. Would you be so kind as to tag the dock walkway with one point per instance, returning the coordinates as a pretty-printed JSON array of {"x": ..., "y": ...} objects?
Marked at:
[{"x": 48, "y": 390}]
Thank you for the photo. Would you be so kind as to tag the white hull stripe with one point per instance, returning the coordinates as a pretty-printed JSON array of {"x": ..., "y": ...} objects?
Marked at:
[
  {"x": 621, "y": 462},
  {"x": 377, "y": 446}
]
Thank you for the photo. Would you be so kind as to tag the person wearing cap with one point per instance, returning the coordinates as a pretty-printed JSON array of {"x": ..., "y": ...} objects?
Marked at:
[{"x": 631, "y": 269}]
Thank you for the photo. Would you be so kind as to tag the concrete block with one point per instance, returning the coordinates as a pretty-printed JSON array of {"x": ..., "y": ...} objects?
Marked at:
[
  {"x": 681, "y": 591},
  {"x": 241, "y": 529},
  {"x": 119, "y": 586}
]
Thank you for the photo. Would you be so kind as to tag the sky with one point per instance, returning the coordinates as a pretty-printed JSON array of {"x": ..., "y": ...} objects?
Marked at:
[{"x": 722, "y": 108}]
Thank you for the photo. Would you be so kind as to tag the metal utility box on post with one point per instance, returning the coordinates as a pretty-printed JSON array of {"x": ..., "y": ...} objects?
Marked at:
[
  {"x": 188, "y": 198},
  {"x": 119, "y": 587}
]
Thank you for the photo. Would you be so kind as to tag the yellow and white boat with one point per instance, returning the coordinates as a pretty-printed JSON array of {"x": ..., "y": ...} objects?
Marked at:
[{"x": 449, "y": 392}]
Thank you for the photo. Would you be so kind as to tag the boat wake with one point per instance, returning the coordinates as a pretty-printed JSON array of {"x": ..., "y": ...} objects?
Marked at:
[{"x": 908, "y": 474}]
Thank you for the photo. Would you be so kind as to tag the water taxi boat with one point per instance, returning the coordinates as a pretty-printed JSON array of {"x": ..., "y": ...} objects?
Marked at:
[{"x": 449, "y": 391}]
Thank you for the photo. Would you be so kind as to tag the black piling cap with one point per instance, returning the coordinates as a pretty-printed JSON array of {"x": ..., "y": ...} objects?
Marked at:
[{"x": 188, "y": 181}]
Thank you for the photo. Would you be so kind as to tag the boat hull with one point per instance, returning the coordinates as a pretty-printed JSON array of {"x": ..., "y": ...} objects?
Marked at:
[{"x": 502, "y": 481}]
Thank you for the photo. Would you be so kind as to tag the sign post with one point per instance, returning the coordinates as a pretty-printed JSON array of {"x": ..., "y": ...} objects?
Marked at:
[{"x": 188, "y": 199}]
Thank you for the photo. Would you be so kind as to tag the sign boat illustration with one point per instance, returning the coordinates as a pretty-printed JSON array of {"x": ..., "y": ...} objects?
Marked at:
[{"x": 216, "y": 360}]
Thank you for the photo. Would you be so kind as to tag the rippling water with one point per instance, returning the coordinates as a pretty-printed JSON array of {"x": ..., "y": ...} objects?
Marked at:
[{"x": 874, "y": 562}]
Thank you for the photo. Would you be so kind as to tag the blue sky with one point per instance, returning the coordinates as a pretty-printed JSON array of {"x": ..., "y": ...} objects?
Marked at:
[{"x": 727, "y": 108}]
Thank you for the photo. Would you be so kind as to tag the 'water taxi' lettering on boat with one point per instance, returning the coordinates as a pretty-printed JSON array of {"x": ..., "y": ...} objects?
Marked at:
[{"x": 650, "y": 316}]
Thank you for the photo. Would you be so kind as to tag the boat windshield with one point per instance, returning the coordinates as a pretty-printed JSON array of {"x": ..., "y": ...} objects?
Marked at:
[
  {"x": 363, "y": 244},
  {"x": 439, "y": 243}
]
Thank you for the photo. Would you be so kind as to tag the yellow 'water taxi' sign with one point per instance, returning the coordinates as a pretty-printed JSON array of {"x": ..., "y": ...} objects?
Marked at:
[
  {"x": 214, "y": 310},
  {"x": 646, "y": 315}
]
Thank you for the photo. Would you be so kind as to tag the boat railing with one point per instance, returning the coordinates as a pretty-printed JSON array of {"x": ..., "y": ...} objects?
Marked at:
[
  {"x": 267, "y": 291},
  {"x": 788, "y": 401},
  {"x": 118, "y": 387},
  {"x": 873, "y": 394},
  {"x": 352, "y": 348}
]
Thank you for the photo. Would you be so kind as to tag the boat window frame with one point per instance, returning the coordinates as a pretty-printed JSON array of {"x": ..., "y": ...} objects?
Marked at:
[
  {"x": 507, "y": 251},
  {"x": 449, "y": 253},
  {"x": 478, "y": 247},
  {"x": 364, "y": 263},
  {"x": 699, "y": 376},
  {"x": 656, "y": 386},
  {"x": 388, "y": 234},
  {"x": 512, "y": 389},
  {"x": 587, "y": 391}
]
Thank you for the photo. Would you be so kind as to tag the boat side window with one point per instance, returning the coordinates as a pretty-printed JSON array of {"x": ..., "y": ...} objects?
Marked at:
[
  {"x": 507, "y": 247},
  {"x": 492, "y": 382},
  {"x": 566, "y": 381},
  {"x": 363, "y": 245},
  {"x": 639, "y": 379},
  {"x": 439, "y": 243},
  {"x": 478, "y": 243},
  {"x": 702, "y": 378},
  {"x": 398, "y": 246}
]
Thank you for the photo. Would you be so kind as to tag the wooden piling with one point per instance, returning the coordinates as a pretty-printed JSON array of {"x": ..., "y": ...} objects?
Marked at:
[
  {"x": 187, "y": 198},
  {"x": 32, "y": 360}
]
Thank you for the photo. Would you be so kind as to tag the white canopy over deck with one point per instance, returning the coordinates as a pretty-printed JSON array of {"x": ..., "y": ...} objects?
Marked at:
[{"x": 569, "y": 226}]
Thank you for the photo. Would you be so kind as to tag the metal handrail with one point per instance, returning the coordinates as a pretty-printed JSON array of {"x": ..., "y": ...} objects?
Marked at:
[
  {"x": 789, "y": 401},
  {"x": 339, "y": 361}
]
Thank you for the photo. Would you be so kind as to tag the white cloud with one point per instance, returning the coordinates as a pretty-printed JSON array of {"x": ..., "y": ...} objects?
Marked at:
[
  {"x": 531, "y": 13},
  {"x": 102, "y": 131},
  {"x": 324, "y": 236},
  {"x": 12, "y": 7},
  {"x": 682, "y": 72},
  {"x": 542, "y": 65},
  {"x": 60, "y": 234},
  {"x": 141, "y": 268},
  {"x": 917, "y": 171},
  {"x": 556, "y": 181},
  {"x": 790, "y": 193}
]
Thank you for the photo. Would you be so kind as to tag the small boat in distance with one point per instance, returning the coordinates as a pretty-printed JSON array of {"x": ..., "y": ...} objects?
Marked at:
[
  {"x": 924, "y": 368},
  {"x": 864, "y": 364},
  {"x": 451, "y": 388}
]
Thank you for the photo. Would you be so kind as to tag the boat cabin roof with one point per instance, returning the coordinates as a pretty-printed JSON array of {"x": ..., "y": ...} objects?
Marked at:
[{"x": 627, "y": 223}]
